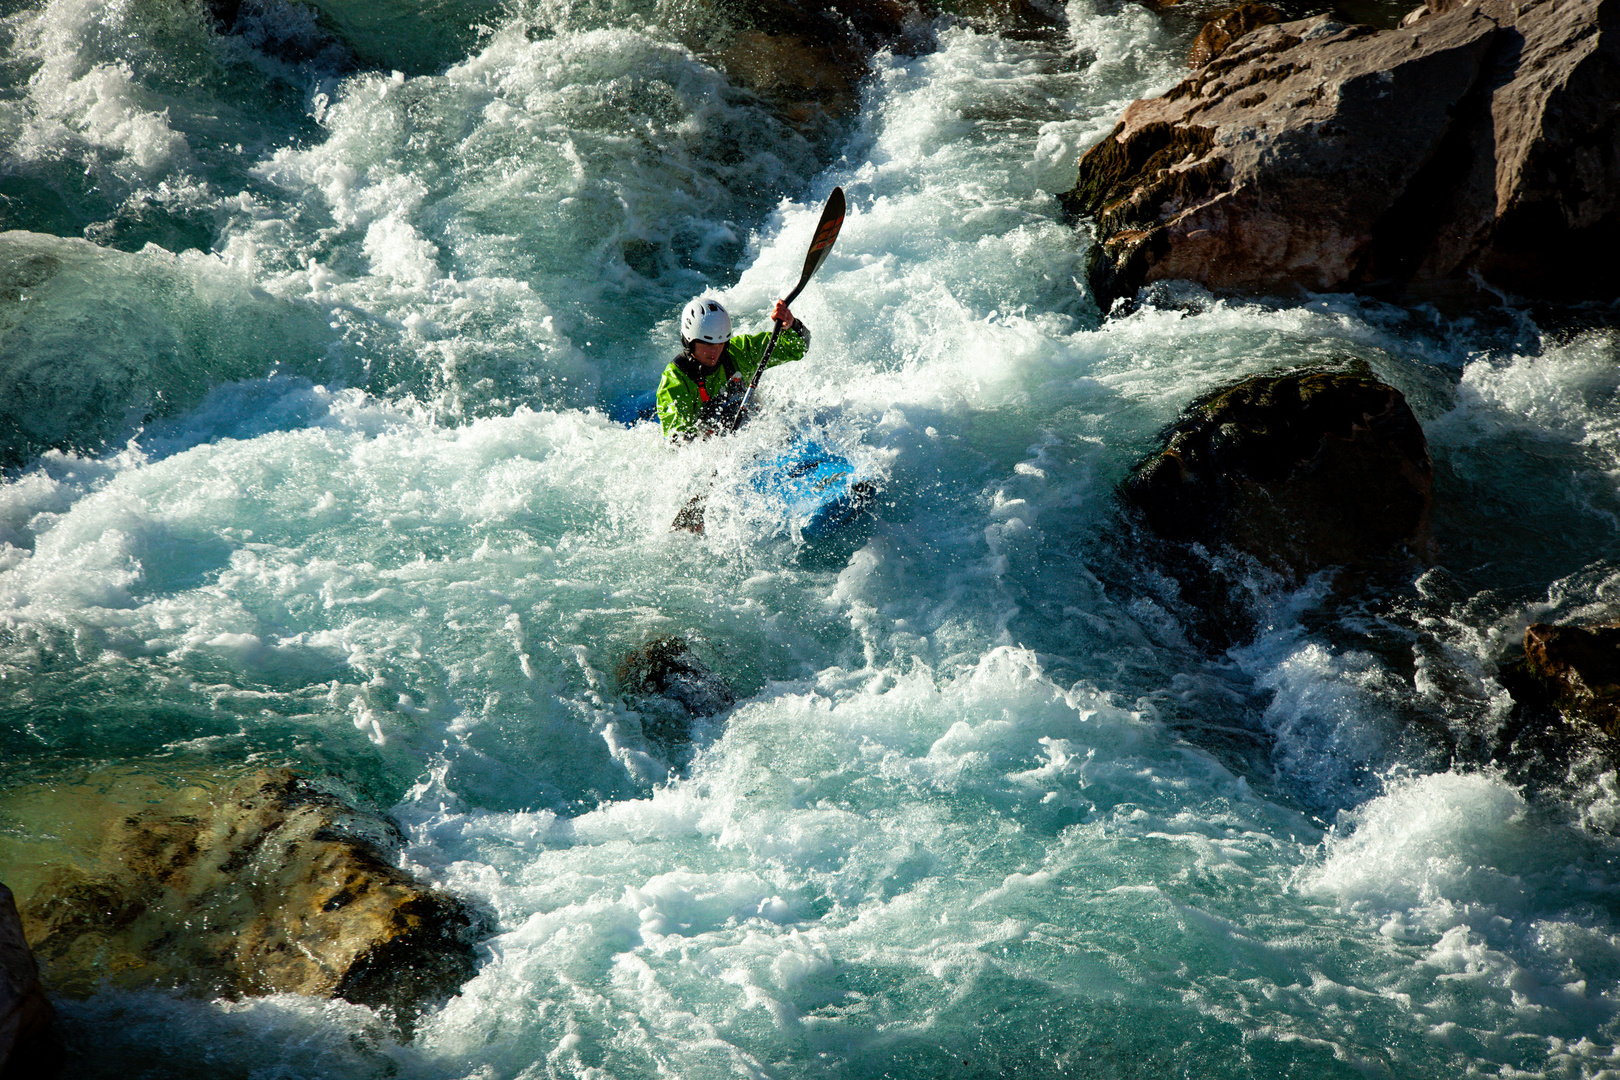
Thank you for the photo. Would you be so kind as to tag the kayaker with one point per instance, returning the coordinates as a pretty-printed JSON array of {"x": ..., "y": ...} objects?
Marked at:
[{"x": 702, "y": 387}]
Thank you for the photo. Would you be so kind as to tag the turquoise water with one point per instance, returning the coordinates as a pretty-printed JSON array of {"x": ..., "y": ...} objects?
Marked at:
[{"x": 339, "y": 492}]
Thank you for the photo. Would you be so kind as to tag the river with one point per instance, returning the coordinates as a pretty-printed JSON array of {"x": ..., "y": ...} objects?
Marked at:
[{"x": 340, "y": 493}]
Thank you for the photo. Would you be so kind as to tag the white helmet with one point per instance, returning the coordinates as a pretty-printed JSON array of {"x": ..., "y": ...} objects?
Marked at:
[{"x": 705, "y": 320}]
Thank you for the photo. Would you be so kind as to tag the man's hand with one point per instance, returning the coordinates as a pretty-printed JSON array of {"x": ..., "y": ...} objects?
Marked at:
[{"x": 781, "y": 314}]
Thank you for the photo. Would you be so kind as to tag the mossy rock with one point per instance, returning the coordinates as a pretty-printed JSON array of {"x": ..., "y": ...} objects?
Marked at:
[{"x": 1300, "y": 471}]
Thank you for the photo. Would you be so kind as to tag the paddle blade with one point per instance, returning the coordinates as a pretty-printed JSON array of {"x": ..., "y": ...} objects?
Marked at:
[{"x": 832, "y": 219}]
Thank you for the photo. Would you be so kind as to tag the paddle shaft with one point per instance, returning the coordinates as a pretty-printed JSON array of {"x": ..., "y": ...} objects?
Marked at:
[{"x": 832, "y": 219}]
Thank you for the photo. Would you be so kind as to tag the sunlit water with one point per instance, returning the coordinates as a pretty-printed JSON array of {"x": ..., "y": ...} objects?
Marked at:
[{"x": 344, "y": 496}]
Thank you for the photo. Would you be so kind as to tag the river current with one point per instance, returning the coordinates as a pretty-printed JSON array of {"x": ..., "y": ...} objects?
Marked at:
[{"x": 331, "y": 347}]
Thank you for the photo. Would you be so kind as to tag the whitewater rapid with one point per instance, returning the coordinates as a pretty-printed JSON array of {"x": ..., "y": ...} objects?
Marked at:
[{"x": 329, "y": 353}]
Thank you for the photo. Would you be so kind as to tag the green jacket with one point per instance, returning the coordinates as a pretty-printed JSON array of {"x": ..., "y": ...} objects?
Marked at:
[{"x": 682, "y": 408}]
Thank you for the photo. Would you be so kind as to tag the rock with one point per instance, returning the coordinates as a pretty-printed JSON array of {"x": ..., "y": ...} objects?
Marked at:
[
  {"x": 809, "y": 82},
  {"x": 1300, "y": 471},
  {"x": 1566, "y": 702},
  {"x": 1219, "y": 33},
  {"x": 671, "y": 686},
  {"x": 272, "y": 887},
  {"x": 29, "y": 1049},
  {"x": 1579, "y": 669},
  {"x": 1009, "y": 18},
  {"x": 1482, "y": 138},
  {"x": 806, "y": 60}
]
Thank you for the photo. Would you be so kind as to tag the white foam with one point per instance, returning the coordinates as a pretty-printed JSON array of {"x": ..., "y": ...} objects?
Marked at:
[
  {"x": 1565, "y": 393},
  {"x": 84, "y": 96},
  {"x": 1429, "y": 849}
]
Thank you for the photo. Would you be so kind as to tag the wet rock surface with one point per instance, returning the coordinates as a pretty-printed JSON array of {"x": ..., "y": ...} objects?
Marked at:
[
  {"x": 1265, "y": 482},
  {"x": 270, "y": 886},
  {"x": 808, "y": 60},
  {"x": 1578, "y": 669},
  {"x": 29, "y": 1049},
  {"x": 671, "y": 686},
  {"x": 1301, "y": 471},
  {"x": 1220, "y": 32},
  {"x": 1566, "y": 703},
  {"x": 1478, "y": 139}
]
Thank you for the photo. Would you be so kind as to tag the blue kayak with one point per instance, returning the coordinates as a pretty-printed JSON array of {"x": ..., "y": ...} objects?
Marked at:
[
  {"x": 632, "y": 409},
  {"x": 816, "y": 490},
  {"x": 820, "y": 491}
]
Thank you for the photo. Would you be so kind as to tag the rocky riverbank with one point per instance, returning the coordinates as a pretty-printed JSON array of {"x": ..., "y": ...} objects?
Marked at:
[
  {"x": 1468, "y": 155},
  {"x": 1474, "y": 151}
]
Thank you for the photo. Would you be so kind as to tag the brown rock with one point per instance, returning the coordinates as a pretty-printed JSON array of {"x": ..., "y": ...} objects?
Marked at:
[
  {"x": 275, "y": 887},
  {"x": 1579, "y": 668},
  {"x": 29, "y": 1049},
  {"x": 1483, "y": 138},
  {"x": 808, "y": 80},
  {"x": 1300, "y": 471},
  {"x": 1219, "y": 33},
  {"x": 808, "y": 60}
]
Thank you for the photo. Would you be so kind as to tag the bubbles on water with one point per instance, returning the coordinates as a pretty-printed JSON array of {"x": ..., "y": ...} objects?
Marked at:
[
  {"x": 1428, "y": 844},
  {"x": 85, "y": 100},
  {"x": 1490, "y": 896}
]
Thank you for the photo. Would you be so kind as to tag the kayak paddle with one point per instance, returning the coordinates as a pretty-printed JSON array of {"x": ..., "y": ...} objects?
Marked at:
[{"x": 832, "y": 219}]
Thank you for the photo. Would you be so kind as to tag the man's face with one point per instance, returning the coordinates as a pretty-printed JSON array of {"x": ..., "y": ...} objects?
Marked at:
[{"x": 707, "y": 353}]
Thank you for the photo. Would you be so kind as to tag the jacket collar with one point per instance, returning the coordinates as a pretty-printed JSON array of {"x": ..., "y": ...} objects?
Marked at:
[{"x": 688, "y": 366}]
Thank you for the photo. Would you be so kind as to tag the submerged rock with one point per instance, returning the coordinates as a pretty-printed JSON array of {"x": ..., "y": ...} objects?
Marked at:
[
  {"x": 1480, "y": 138},
  {"x": 272, "y": 887},
  {"x": 1300, "y": 471},
  {"x": 28, "y": 1043},
  {"x": 672, "y": 686}
]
